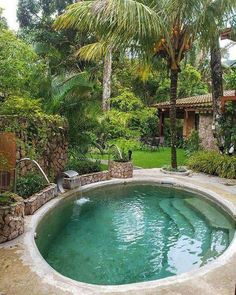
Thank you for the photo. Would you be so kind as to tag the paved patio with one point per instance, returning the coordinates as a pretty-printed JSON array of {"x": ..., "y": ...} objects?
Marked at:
[{"x": 23, "y": 271}]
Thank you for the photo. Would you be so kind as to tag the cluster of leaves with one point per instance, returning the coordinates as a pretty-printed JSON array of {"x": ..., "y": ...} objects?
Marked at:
[
  {"x": 36, "y": 19},
  {"x": 193, "y": 143},
  {"x": 129, "y": 118},
  {"x": 230, "y": 78},
  {"x": 21, "y": 70},
  {"x": 228, "y": 126},
  {"x": 156, "y": 86},
  {"x": 83, "y": 165},
  {"x": 8, "y": 198},
  {"x": 213, "y": 163},
  {"x": 71, "y": 98},
  {"x": 29, "y": 184}
]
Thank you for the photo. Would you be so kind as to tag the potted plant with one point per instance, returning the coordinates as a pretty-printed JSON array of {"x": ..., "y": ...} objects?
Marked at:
[
  {"x": 11, "y": 216},
  {"x": 121, "y": 165}
]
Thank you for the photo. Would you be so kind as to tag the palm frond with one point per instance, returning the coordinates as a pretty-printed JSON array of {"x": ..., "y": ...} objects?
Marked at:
[
  {"x": 117, "y": 20},
  {"x": 94, "y": 51},
  {"x": 68, "y": 91}
]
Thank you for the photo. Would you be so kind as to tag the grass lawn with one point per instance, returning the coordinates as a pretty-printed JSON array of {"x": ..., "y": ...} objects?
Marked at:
[
  {"x": 157, "y": 159},
  {"x": 151, "y": 159}
]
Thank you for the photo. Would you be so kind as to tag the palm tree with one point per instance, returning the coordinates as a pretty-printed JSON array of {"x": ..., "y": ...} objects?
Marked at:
[
  {"x": 217, "y": 15},
  {"x": 165, "y": 28}
]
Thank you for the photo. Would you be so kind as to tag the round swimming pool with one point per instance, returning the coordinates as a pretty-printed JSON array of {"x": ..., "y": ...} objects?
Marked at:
[{"x": 132, "y": 233}]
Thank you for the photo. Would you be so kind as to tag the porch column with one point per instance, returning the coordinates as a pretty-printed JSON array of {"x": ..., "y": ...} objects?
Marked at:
[{"x": 161, "y": 123}]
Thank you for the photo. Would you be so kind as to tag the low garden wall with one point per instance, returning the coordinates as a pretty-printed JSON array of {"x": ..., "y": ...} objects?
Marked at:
[
  {"x": 11, "y": 221},
  {"x": 121, "y": 169},
  {"x": 36, "y": 201},
  {"x": 71, "y": 183}
]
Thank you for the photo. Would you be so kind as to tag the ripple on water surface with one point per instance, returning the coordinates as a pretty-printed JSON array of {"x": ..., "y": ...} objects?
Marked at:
[{"x": 133, "y": 233}]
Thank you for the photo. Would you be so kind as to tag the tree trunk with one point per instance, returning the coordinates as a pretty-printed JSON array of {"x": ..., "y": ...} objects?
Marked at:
[
  {"x": 107, "y": 70},
  {"x": 217, "y": 89},
  {"x": 173, "y": 97}
]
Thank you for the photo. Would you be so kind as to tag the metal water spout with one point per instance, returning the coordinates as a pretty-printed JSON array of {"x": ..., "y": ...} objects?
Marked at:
[{"x": 36, "y": 164}]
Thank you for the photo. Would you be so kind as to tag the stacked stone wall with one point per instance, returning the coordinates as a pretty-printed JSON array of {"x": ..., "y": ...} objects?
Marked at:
[
  {"x": 121, "y": 169},
  {"x": 11, "y": 221},
  {"x": 48, "y": 148},
  {"x": 37, "y": 200},
  {"x": 71, "y": 183}
]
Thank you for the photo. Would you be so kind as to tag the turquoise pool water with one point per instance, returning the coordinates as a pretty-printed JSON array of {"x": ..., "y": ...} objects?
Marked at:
[{"x": 132, "y": 233}]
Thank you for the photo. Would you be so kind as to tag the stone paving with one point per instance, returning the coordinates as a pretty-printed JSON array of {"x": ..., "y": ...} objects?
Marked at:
[{"x": 22, "y": 273}]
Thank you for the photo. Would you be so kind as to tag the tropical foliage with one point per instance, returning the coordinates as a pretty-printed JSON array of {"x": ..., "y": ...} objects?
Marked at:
[
  {"x": 65, "y": 59},
  {"x": 167, "y": 30},
  {"x": 21, "y": 71},
  {"x": 213, "y": 163}
]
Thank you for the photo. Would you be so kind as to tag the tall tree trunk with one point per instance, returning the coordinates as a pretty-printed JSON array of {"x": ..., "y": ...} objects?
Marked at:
[
  {"x": 107, "y": 70},
  {"x": 173, "y": 97},
  {"x": 217, "y": 89}
]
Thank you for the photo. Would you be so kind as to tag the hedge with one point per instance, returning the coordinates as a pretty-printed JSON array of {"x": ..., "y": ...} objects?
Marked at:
[{"x": 213, "y": 163}]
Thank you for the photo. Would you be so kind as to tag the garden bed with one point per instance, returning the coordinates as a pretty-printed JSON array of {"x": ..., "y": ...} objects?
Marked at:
[
  {"x": 71, "y": 183},
  {"x": 37, "y": 200}
]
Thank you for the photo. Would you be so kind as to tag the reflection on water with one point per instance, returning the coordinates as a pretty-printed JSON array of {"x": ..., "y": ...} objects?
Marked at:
[{"x": 133, "y": 233}]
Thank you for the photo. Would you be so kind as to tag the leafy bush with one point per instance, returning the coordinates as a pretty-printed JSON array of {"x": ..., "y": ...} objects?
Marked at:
[
  {"x": 192, "y": 144},
  {"x": 129, "y": 118},
  {"x": 228, "y": 126},
  {"x": 123, "y": 148},
  {"x": 121, "y": 156},
  {"x": 126, "y": 144},
  {"x": 213, "y": 163},
  {"x": 83, "y": 165},
  {"x": 230, "y": 78},
  {"x": 8, "y": 198},
  {"x": 29, "y": 184},
  {"x": 126, "y": 102},
  {"x": 21, "y": 70}
]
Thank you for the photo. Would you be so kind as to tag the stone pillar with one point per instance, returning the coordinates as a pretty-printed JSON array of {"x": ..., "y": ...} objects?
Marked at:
[
  {"x": 121, "y": 169},
  {"x": 208, "y": 141}
]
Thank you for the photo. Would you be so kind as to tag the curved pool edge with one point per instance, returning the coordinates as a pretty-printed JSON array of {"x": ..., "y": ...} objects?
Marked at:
[{"x": 32, "y": 257}]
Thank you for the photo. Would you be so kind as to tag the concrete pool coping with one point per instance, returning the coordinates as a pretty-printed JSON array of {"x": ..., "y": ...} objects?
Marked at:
[{"x": 204, "y": 278}]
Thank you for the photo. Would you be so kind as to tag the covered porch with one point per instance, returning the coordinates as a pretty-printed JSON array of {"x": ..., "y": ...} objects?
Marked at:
[{"x": 196, "y": 113}]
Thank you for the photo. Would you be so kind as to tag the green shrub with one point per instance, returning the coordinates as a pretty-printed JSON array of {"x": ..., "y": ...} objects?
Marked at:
[
  {"x": 192, "y": 144},
  {"x": 8, "y": 198},
  {"x": 213, "y": 163},
  {"x": 83, "y": 166},
  {"x": 29, "y": 184},
  {"x": 127, "y": 102}
]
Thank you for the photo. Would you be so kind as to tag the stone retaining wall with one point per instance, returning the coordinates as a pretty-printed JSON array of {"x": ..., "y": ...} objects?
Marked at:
[
  {"x": 49, "y": 147},
  {"x": 121, "y": 169},
  {"x": 36, "y": 201},
  {"x": 11, "y": 221},
  {"x": 71, "y": 183}
]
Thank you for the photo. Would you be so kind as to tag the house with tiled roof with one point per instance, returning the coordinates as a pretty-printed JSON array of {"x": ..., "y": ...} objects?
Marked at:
[{"x": 196, "y": 113}]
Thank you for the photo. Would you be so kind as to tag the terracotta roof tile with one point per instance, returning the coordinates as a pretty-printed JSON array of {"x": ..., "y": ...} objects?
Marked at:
[{"x": 202, "y": 101}]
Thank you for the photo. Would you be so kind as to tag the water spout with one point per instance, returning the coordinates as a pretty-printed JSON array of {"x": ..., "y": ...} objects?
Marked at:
[{"x": 36, "y": 164}]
